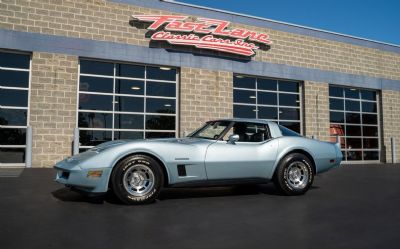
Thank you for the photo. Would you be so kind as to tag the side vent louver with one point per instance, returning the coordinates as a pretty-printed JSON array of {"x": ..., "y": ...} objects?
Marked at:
[{"x": 181, "y": 170}]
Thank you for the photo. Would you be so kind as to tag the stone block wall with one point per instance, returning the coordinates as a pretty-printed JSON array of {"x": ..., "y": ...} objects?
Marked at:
[
  {"x": 52, "y": 106},
  {"x": 204, "y": 95},
  {"x": 316, "y": 110},
  {"x": 390, "y": 123}
]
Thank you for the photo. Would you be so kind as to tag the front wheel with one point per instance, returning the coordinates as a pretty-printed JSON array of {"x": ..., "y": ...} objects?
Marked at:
[
  {"x": 137, "y": 180},
  {"x": 294, "y": 175}
]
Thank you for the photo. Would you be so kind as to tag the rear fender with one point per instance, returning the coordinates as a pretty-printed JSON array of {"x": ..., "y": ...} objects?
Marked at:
[{"x": 287, "y": 150}]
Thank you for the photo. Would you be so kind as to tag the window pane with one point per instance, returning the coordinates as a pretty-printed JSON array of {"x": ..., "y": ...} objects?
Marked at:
[
  {"x": 244, "y": 82},
  {"x": 353, "y": 118},
  {"x": 289, "y": 99},
  {"x": 124, "y": 100},
  {"x": 352, "y": 93},
  {"x": 336, "y": 104},
  {"x": 267, "y": 112},
  {"x": 12, "y": 155},
  {"x": 13, "y": 117},
  {"x": 132, "y": 71},
  {"x": 134, "y": 87},
  {"x": 161, "y": 89},
  {"x": 161, "y": 73},
  {"x": 371, "y": 155},
  {"x": 337, "y": 117},
  {"x": 93, "y": 138},
  {"x": 370, "y": 131},
  {"x": 14, "y": 78},
  {"x": 160, "y": 105},
  {"x": 354, "y": 155},
  {"x": 352, "y": 105},
  {"x": 128, "y": 135},
  {"x": 14, "y": 60},
  {"x": 341, "y": 141},
  {"x": 335, "y": 91},
  {"x": 128, "y": 121},
  {"x": 289, "y": 114},
  {"x": 94, "y": 120},
  {"x": 266, "y": 98},
  {"x": 97, "y": 67},
  {"x": 95, "y": 84},
  {"x": 12, "y": 136},
  {"x": 244, "y": 96},
  {"x": 368, "y": 95},
  {"x": 13, "y": 97},
  {"x": 353, "y": 130},
  {"x": 267, "y": 84},
  {"x": 369, "y": 107},
  {"x": 129, "y": 104},
  {"x": 336, "y": 129},
  {"x": 154, "y": 122},
  {"x": 244, "y": 111},
  {"x": 371, "y": 143},
  {"x": 160, "y": 134},
  {"x": 95, "y": 102},
  {"x": 287, "y": 86},
  {"x": 353, "y": 143},
  {"x": 370, "y": 119}
]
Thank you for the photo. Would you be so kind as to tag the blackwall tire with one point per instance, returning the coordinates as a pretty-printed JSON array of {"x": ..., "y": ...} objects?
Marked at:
[
  {"x": 294, "y": 174},
  {"x": 137, "y": 179}
]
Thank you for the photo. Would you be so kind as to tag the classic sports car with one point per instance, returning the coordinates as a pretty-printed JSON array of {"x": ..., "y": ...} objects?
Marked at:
[{"x": 222, "y": 152}]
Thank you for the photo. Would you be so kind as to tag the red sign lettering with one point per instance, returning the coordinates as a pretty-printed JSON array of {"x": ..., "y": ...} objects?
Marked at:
[{"x": 243, "y": 42}]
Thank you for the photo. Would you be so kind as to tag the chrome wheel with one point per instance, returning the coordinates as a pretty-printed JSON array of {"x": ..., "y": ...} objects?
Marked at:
[
  {"x": 298, "y": 175},
  {"x": 138, "y": 180}
]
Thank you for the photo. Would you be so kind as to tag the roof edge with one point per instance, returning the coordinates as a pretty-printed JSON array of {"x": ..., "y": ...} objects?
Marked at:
[{"x": 282, "y": 23}]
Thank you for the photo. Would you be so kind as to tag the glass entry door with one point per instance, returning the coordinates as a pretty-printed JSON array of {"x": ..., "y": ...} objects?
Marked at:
[{"x": 14, "y": 110}]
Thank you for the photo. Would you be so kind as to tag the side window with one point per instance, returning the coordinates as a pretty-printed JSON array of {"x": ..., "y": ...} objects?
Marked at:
[
  {"x": 287, "y": 132},
  {"x": 249, "y": 132}
]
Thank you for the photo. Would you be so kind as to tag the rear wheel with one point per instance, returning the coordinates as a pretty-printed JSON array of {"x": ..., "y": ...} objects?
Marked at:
[
  {"x": 294, "y": 175},
  {"x": 137, "y": 179}
]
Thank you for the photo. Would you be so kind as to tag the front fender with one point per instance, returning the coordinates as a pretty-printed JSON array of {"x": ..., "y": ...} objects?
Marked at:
[{"x": 112, "y": 156}]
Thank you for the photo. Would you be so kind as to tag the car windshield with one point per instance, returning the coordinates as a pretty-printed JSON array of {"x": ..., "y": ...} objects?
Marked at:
[{"x": 211, "y": 130}]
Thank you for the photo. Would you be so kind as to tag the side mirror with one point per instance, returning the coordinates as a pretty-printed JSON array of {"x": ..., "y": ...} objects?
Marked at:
[{"x": 233, "y": 139}]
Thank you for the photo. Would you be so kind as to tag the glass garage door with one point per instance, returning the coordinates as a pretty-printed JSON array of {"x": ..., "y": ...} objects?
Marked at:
[
  {"x": 125, "y": 101},
  {"x": 270, "y": 99},
  {"x": 14, "y": 95},
  {"x": 354, "y": 117}
]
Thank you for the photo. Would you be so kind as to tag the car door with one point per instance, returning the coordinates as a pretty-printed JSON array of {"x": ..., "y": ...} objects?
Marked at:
[{"x": 252, "y": 156}]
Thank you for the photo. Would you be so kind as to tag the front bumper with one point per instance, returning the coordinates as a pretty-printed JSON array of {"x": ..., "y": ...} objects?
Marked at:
[{"x": 83, "y": 179}]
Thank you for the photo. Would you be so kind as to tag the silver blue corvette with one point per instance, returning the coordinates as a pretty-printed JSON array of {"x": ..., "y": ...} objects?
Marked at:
[{"x": 222, "y": 152}]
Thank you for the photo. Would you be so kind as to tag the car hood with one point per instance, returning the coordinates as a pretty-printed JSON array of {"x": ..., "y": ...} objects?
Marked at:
[{"x": 183, "y": 141}]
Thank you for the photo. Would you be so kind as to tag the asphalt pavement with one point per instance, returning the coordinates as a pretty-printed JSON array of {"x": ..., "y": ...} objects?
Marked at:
[{"x": 355, "y": 206}]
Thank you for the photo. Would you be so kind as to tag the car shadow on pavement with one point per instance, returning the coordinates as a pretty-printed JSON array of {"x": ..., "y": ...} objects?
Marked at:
[
  {"x": 67, "y": 195},
  {"x": 200, "y": 192}
]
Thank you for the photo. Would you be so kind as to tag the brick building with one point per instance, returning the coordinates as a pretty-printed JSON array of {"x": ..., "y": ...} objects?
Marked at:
[{"x": 85, "y": 70}]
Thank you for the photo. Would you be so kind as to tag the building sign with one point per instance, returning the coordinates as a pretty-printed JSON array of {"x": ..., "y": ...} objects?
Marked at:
[{"x": 204, "y": 33}]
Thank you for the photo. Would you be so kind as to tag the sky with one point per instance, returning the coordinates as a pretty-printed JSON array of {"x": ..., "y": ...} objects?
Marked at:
[{"x": 374, "y": 20}]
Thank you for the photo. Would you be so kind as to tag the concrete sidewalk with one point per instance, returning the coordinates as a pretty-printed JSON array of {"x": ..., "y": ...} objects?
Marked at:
[{"x": 355, "y": 206}]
